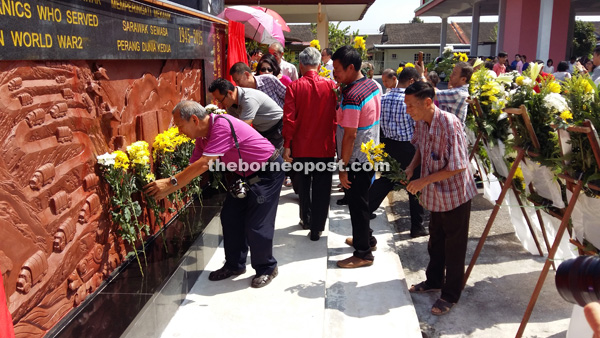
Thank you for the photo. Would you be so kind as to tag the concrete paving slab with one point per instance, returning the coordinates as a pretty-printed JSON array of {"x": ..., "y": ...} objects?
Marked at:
[
  {"x": 369, "y": 300},
  {"x": 291, "y": 306},
  {"x": 311, "y": 297}
]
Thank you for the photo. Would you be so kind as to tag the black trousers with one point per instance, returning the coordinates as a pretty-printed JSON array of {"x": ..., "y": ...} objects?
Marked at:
[
  {"x": 250, "y": 222},
  {"x": 314, "y": 206},
  {"x": 447, "y": 247},
  {"x": 402, "y": 152},
  {"x": 358, "y": 203}
]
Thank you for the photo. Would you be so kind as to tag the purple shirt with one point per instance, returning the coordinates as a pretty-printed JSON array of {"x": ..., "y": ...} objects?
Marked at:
[{"x": 219, "y": 142}]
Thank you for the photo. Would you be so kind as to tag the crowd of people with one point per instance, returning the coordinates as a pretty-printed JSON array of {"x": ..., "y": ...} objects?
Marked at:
[
  {"x": 563, "y": 71},
  {"x": 317, "y": 126}
]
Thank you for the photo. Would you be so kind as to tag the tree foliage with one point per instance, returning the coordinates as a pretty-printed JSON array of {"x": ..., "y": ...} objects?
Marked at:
[
  {"x": 416, "y": 19},
  {"x": 338, "y": 37},
  {"x": 584, "y": 38}
]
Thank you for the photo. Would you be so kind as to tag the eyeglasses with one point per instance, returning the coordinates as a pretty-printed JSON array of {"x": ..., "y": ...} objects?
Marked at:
[
  {"x": 266, "y": 70},
  {"x": 221, "y": 100}
]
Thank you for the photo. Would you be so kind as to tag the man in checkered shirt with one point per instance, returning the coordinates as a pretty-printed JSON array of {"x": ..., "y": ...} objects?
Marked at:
[
  {"x": 266, "y": 83},
  {"x": 397, "y": 128},
  {"x": 454, "y": 100},
  {"x": 446, "y": 187}
]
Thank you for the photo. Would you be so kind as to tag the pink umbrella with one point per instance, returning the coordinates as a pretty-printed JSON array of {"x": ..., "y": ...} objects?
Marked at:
[
  {"x": 278, "y": 19},
  {"x": 260, "y": 26}
]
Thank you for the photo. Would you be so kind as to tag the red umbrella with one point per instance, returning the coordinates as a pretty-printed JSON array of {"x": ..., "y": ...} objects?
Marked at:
[{"x": 278, "y": 19}]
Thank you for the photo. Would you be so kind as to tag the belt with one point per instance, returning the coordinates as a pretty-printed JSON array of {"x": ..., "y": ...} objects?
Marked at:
[{"x": 252, "y": 179}]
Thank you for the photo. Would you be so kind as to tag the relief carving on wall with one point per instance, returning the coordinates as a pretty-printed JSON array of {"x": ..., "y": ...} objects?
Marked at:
[{"x": 57, "y": 243}]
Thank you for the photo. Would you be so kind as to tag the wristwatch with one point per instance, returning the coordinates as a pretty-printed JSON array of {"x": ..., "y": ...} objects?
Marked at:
[{"x": 173, "y": 180}]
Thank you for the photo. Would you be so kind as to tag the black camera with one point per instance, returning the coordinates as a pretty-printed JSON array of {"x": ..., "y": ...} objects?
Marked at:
[
  {"x": 239, "y": 189},
  {"x": 578, "y": 280}
]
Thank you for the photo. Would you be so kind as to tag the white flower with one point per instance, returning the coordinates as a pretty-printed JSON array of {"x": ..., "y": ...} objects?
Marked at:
[
  {"x": 448, "y": 49},
  {"x": 211, "y": 108},
  {"x": 478, "y": 61},
  {"x": 555, "y": 101},
  {"x": 527, "y": 82},
  {"x": 106, "y": 159}
]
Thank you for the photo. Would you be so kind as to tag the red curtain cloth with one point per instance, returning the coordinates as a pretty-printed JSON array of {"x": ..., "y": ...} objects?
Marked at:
[
  {"x": 6, "y": 325},
  {"x": 236, "y": 51}
]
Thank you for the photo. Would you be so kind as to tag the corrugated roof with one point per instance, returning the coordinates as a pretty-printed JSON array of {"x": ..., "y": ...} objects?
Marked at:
[
  {"x": 429, "y": 33},
  {"x": 299, "y": 33}
]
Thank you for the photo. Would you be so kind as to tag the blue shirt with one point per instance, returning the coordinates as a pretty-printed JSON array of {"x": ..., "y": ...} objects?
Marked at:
[{"x": 396, "y": 124}]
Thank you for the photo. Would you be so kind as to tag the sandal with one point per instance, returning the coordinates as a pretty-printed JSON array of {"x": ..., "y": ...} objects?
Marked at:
[
  {"x": 442, "y": 307},
  {"x": 422, "y": 288},
  {"x": 264, "y": 280},
  {"x": 224, "y": 273}
]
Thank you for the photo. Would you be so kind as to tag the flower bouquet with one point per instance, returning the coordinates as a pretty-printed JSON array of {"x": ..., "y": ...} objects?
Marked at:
[{"x": 377, "y": 154}]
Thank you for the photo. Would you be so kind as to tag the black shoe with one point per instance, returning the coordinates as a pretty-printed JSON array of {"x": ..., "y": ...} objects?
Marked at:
[
  {"x": 419, "y": 232},
  {"x": 303, "y": 226},
  {"x": 373, "y": 216},
  {"x": 264, "y": 280},
  {"x": 314, "y": 236},
  {"x": 342, "y": 201},
  {"x": 224, "y": 273}
]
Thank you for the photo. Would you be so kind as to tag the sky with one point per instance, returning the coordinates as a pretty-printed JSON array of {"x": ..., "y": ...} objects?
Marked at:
[{"x": 403, "y": 11}]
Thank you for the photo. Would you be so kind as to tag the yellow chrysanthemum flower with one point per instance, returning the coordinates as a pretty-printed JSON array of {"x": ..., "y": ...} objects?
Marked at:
[
  {"x": 519, "y": 80},
  {"x": 588, "y": 88},
  {"x": 315, "y": 44},
  {"x": 121, "y": 160},
  {"x": 359, "y": 42},
  {"x": 399, "y": 70},
  {"x": 554, "y": 87},
  {"x": 409, "y": 65},
  {"x": 566, "y": 115},
  {"x": 463, "y": 57},
  {"x": 150, "y": 177}
]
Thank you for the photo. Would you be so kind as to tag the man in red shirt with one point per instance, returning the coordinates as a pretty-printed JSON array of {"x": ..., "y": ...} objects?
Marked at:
[{"x": 308, "y": 133}]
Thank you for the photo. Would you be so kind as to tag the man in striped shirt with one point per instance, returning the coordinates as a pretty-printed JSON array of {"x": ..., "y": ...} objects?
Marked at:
[
  {"x": 397, "y": 128},
  {"x": 447, "y": 187},
  {"x": 454, "y": 100},
  {"x": 266, "y": 83},
  {"x": 358, "y": 122}
]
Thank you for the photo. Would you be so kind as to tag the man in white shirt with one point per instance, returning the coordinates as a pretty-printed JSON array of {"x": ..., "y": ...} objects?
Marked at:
[
  {"x": 327, "y": 62},
  {"x": 276, "y": 49}
]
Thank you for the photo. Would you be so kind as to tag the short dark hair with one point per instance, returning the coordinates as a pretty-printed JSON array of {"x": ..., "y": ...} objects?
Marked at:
[
  {"x": 271, "y": 61},
  {"x": 421, "y": 90},
  {"x": 465, "y": 70},
  {"x": 502, "y": 55},
  {"x": 597, "y": 50},
  {"x": 563, "y": 66},
  {"x": 222, "y": 85},
  {"x": 524, "y": 56},
  {"x": 572, "y": 58},
  {"x": 433, "y": 77},
  {"x": 346, "y": 55},
  {"x": 255, "y": 51},
  {"x": 519, "y": 55},
  {"x": 549, "y": 62},
  {"x": 328, "y": 51},
  {"x": 389, "y": 73},
  {"x": 489, "y": 65},
  {"x": 239, "y": 68},
  {"x": 407, "y": 74}
]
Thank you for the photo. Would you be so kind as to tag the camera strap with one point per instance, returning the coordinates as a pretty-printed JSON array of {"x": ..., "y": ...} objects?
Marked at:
[{"x": 235, "y": 140}]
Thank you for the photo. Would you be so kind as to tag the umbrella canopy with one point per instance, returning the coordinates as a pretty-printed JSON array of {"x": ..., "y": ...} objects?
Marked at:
[
  {"x": 278, "y": 19},
  {"x": 260, "y": 26}
]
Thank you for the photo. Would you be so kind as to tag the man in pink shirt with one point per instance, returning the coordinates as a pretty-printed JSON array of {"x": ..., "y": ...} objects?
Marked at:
[
  {"x": 247, "y": 221},
  {"x": 500, "y": 66}
]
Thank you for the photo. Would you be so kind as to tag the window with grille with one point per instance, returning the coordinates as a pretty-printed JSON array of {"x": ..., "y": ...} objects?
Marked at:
[
  {"x": 426, "y": 57},
  {"x": 394, "y": 56}
]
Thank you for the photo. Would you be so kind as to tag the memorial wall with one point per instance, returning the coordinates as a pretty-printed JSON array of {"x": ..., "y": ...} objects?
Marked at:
[{"x": 77, "y": 79}]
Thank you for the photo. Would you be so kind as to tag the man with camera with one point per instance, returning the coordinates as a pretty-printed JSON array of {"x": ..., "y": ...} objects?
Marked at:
[{"x": 248, "y": 214}]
